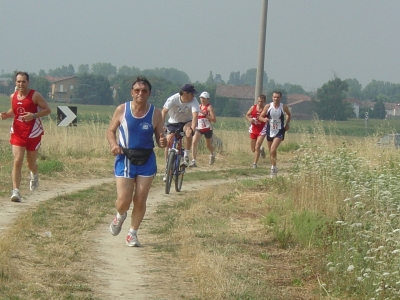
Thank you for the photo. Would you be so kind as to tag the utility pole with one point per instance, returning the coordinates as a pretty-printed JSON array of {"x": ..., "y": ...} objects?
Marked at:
[{"x": 261, "y": 51}]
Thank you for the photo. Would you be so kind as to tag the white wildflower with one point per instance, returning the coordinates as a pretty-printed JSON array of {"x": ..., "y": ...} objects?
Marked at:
[
  {"x": 386, "y": 274},
  {"x": 357, "y": 196},
  {"x": 350, "y": 268}
]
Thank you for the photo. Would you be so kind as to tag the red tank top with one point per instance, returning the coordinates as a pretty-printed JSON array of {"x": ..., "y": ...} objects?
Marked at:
[
  {"x": 258, "y": 126},
  {"x": 25, "y": 129},
  {"x": 203, "y": 123}
]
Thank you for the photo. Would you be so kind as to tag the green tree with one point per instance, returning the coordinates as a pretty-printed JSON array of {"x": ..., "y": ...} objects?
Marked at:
[
  {"x": 234, "y": 78},
  {"x": 64, "y": 71},
  {"x": 170, "y": 74},
  {"x": 354, "y": 88},
  {"x": 218, "y": 79},
  {"x": 83, "y": 69},
  {"x": 40, "y": 84},
  {"x": 42, "y": 73},
  {"x": 294, "y": 89},
  {"x": 129, "y": 71},
  {"x": 104, "y": 69},
  {"x": 379, "y": 111},
  {"x": 210, "y": 79},
  {"x": 93, "y": 89},
  {"x": 250, "y": 77},
  {"x": 329, "y": 104}
]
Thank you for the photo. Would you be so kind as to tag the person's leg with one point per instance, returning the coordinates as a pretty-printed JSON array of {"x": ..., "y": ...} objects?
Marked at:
[
  {"x": 196, "y": 139},
  {"x": 257, "y": 147},
  {"x": 253, "y": 144},
  {"x": 170, "y": 138},
  {"x": 125, "y": 187},
  {"x": 273, "y": 149},
  {"x": 31, "y": 160},
  {"x": 18, "y": 153},
  {"x": 143, "y": 185},
  {"x": 210, "y": 146},
  {"x": 189, "y": 138}
]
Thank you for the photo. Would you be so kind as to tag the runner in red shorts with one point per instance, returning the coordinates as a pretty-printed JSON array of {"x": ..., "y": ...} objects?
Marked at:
[
  {"x": 256, "y": 126},
  {"x": 27, "y": 107}
]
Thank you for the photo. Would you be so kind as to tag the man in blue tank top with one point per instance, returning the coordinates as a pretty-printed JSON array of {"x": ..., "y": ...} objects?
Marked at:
[{"x": 135, "y": 164}]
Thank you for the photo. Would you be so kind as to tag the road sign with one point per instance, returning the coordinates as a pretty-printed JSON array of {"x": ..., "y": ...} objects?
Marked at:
[{"x": 66, "y": 115}]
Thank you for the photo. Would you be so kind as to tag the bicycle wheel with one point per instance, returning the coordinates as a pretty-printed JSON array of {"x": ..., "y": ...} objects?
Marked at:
[
  {"x": 179, "y": 177},
  {"x": 170, "y": 171}
]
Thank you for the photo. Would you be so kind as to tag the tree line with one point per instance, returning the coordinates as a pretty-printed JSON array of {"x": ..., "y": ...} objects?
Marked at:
[{"x": 97, "y": 83}]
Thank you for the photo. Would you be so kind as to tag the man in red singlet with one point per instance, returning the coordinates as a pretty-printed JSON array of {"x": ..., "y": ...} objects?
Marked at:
[
  {"x": 27, "y": 107},
  {"x": 256, "y": 126},
  {"x": 205, "y": 117}
]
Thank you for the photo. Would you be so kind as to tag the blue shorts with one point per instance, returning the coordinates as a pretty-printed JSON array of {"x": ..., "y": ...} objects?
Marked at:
[
  {"x": 124, "y": 168},
  {"x": 280, "y": 134}
]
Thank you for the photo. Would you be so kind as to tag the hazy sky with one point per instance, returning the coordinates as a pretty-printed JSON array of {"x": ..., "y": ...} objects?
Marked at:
[{"x": 307, "y": 42}]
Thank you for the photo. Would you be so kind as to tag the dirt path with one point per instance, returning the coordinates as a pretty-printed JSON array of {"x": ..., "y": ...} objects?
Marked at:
[
  {"x": 124, "y": 272},
  {"x": 10, "y": 210}
]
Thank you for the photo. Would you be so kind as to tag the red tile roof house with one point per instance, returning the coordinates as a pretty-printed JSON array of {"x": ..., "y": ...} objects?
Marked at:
[
  {"x": 244, "y": 94},
  {"x": 62, "y": 88},
  {"x": 299, "y": 105}
]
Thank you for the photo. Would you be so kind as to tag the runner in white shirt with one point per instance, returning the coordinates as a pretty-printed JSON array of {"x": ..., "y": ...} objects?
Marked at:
[
  {"x": 274, "y": 116},
  {"x": 204, "y": 127}
]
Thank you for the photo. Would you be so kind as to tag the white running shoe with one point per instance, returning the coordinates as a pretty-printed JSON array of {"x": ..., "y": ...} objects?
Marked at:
[
  {"x": 254, "y": 166},
  {"x": 212, "y": 159},
  {"x": 192, "y": 164},
  {"x": 132, "y": 240},
  {"x": 116, "y": 224},
  {"x": 185, "y": 162},
  {"x": 274, "y": 171},
  {"x": 34, "y": 183},
  {"x": 15, "y": 196}
]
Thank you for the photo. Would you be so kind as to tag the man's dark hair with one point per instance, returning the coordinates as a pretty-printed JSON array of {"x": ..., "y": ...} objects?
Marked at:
[
  {"x": 277, "y": 92},
  {"x": 143, "y": 80},
  {"x": 23, "y": 74},
  {"x": 263, "y": 97}
]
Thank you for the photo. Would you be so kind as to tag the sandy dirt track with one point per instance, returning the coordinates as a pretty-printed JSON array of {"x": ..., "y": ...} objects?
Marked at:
[{"x": 124, "y": 272}]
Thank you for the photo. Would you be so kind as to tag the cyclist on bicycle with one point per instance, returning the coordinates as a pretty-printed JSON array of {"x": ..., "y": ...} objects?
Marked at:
[{"x": 183, "y": 109}]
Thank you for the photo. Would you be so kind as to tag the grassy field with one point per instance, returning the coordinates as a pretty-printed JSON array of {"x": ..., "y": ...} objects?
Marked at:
[
  {"x": 353, "y": 127},
  {"x": 327, "y": 228}
]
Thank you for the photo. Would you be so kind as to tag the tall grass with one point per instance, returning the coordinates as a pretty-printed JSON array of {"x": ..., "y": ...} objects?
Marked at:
[{"x": 357, "y": 191}]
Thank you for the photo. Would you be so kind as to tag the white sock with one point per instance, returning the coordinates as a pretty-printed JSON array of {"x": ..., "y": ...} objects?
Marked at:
[
  {"x": 187, "y": 152},
  {"x": 133, "y": 231},
  {"x": 120, "y": 217}
]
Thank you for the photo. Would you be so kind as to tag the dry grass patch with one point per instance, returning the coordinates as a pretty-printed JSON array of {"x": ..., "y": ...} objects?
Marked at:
[
  {"x": 45, "y": 254},
  {"x": 221, "y": 244}
]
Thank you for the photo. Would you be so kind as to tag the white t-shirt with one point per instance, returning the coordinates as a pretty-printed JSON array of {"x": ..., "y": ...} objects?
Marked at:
[{"x": 180, "y": 112}]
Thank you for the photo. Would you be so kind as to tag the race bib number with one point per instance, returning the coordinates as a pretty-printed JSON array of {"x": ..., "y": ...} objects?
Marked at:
[
  {"x": 275, "y": 124},
  {"x": 203, "y": 123}
]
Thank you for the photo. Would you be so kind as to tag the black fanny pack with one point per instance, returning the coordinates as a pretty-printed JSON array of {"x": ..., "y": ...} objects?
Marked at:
[{"x": 137, "y": 156}]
